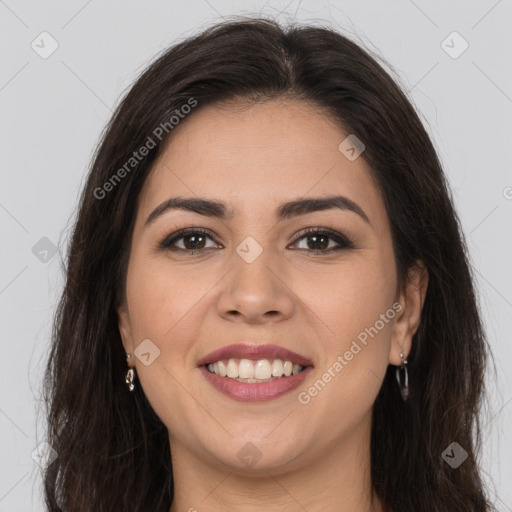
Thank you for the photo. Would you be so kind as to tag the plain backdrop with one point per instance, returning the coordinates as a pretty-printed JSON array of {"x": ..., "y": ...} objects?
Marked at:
[{"x": 54, "y": 107}]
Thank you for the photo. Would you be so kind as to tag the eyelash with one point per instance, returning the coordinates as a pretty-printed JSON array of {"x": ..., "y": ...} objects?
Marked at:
[{"x": 342, "y": 240}]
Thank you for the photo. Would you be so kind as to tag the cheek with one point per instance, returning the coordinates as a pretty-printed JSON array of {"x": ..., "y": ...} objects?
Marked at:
[
  {"x": 355, "y": 335},
  {"x": 355, "y": 307},
  {"x": 161, "y": 292},
  {"x": 350, "y": 298},
  {"x": 161, "y": 301},
  {"x": 168, "y": 305}
]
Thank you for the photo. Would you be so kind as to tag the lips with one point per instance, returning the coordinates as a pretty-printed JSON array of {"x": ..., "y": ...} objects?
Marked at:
[
  {"x": 249, "y": 351},
  {"x": 255, "y": 392}
]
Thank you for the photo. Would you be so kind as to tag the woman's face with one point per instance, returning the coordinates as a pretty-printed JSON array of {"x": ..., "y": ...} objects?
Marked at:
[{"x": 255, "y": 278}]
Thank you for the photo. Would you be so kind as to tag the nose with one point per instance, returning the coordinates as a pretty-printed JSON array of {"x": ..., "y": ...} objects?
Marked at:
[{"x": 255, "y": 292}]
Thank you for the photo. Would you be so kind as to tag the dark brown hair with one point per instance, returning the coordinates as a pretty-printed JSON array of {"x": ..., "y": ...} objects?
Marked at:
[{"x": 113, "y": 450}]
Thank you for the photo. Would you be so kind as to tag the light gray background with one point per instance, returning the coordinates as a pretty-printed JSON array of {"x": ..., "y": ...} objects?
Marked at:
[{"x": 53, "y": 110}]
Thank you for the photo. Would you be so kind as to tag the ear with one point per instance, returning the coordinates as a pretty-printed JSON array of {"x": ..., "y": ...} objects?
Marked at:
[
  {"x": 125, "y": 327},
  {"x": 408, "y": 317}
]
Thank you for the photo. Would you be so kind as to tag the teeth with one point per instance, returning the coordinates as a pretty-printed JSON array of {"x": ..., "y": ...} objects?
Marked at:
[
  {"x": 231, "y": 370},
  {"x": 261, "y": 370},
  {"x": 245, "y": 369},
  {"x": 222, "y": 369},
  {"x": 277, "y": 368}
]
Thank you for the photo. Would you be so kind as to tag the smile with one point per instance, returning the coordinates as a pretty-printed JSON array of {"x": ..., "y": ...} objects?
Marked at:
[
  {"x": 251, "y": 371},
  {"x": 255, "y": 389}
]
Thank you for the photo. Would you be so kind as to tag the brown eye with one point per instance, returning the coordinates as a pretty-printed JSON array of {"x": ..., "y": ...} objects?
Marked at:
[
  {"x": 323, "y": 240},
  {"x": 317, "y": 242},
  {"x": 194, "y": 240}
]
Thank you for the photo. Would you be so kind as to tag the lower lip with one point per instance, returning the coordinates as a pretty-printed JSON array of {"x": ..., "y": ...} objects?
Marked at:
[{"x": 257, "y": 391}]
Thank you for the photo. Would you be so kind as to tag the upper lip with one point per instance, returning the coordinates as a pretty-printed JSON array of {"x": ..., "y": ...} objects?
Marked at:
[{"x": 244, "y": 351}]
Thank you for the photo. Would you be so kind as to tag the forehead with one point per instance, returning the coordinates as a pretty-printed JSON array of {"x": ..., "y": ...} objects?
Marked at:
[{"x": 251, "y": 155}]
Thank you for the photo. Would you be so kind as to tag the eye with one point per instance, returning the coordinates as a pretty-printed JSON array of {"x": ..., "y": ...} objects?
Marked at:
[
  {"x": 194, "y": 240},
  {"x": 318, "y": 240}
]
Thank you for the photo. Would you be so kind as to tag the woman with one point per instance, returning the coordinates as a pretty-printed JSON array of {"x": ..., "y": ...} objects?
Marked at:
[{"x": 268, "y": 302}]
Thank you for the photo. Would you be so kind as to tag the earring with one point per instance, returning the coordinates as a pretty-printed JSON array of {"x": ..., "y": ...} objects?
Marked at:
[
  {"x": 130, "y": 374},
  {"x": 404, "y": 388}
]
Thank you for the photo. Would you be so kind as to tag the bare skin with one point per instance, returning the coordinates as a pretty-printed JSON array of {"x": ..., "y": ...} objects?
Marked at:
[{"x": 315, "y": 455}]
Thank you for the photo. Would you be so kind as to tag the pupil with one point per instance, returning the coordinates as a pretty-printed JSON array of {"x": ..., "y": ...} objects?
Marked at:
[
  {"x": 194, "y": 246},
  {"x": 316, "y": 238}
]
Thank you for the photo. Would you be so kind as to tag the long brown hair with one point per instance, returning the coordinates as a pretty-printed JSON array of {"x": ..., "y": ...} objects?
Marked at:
[{"x": 113, "y": 450}]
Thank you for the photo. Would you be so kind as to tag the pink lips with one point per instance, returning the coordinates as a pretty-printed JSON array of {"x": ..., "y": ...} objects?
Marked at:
[
  {"x": 243, "y": 351},
  {"x": 257, "y": 391}
]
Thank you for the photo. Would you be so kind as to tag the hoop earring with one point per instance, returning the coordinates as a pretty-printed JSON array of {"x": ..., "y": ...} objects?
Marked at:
[
  {"x": 130, "y": 375},
  {"x": 404, "y": 388}
]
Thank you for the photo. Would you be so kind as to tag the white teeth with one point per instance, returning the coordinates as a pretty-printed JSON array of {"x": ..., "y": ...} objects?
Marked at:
[
  {"x": 222, "y": 369},
  {"x": 246, "y": 369},
  {"x": 277, "y": 368},
  {"x": 263, "y": 369},
  {"x": 232, "y": 369},
  {"x": 255, "y": 371}
]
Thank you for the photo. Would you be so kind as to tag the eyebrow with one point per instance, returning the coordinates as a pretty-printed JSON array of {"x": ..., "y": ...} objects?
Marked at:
[{"x": 217, "y": 209}]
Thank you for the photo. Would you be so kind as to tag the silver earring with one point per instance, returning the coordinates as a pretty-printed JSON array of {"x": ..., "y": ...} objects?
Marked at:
[
  {"x": 404, "y": 388},
  {"x": 130, "y": 375}
]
